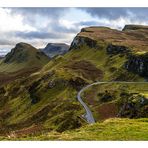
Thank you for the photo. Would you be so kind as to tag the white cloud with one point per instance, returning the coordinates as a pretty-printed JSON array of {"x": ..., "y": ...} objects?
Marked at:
[
  {"x": 120, "y": 22},
  {"x": 10, "y": 22},
  {"x": 68, "y": 24}
]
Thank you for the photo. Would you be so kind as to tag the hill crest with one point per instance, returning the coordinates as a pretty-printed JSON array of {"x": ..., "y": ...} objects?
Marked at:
[{"x": 23, "y": 56}]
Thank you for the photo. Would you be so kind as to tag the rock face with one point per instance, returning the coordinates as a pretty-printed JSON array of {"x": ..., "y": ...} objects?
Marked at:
[
  {"x": 54, "y": 49},
  {"x": 133, "y": 106},
  {"x": 134, "y": 27},
  {"x": 138, "y": 64},
  {"x": 114, "y": 49},
  {"x": 81, "y": 41}
]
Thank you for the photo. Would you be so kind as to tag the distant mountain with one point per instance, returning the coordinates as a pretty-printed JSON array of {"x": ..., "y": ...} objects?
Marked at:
[
  {"x": 23, "y": 56},
  {"x": 1, "y": 57},
  {"x": 53, "y": 49},
  {"x": 3, "y": 52}
]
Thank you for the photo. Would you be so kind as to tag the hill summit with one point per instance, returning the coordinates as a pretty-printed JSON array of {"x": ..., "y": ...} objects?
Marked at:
[
  {"x": 23, "y": 56},
  {"x": 22, "y": 52}
]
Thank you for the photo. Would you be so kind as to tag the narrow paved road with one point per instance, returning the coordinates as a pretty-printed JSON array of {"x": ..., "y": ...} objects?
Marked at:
[{"x": 89, "y": 116}]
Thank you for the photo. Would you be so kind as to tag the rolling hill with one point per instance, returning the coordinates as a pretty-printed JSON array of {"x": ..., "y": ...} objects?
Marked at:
[
  {"x": 21, "y": 61},
  {"x": 23, "y": 56}
]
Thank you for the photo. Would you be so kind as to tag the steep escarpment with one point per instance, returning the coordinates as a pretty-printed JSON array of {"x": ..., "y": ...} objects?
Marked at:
[
  {"x": 80, "y": 41},
  {"x": 131, "y": 43},
  {"x": 116, "y": 49}
]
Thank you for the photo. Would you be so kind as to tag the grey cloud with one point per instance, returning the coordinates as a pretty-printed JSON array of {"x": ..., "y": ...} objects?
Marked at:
[
  {"x": 38, "y": 35},
  {"x": 115, "y": 13},
  {"x": 30, "y": 14},
  {"x": 62, "y": 29},
  {"x": 43, "y": 19},
  {"x": 6, "y": 42},
  {"x": 87, "y": 23},
  {"x": 52, "y": 12}
]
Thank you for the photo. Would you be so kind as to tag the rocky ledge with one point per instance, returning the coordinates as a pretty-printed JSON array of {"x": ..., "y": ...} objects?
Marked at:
[{"x": 138, "y": 64}]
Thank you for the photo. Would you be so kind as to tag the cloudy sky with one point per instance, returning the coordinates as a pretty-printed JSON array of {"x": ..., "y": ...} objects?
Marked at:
[{"x": 39, "y": 26}]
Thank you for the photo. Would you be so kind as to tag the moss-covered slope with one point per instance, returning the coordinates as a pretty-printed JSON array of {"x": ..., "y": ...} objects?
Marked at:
[{"x": 45, "y": 101}]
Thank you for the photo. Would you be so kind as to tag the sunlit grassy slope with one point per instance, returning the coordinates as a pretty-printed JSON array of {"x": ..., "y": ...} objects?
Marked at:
[
  {"x": 98, "y": 58},
  {"x": 111, "y": 129}
]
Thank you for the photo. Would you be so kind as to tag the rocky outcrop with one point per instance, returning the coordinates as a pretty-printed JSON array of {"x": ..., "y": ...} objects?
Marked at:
[
  {"x": 77, "y": 83},
  {"x": 134, "y": 27},
  {"x": 33, "y": 89},
  {"x": 133, "y": 106},
  {"x": 138, "y": 64},
  {"x": 81, "y": 41},
  {"x": 115, "y": 49}
]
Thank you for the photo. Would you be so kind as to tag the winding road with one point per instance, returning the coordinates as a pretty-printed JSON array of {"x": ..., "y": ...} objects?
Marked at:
[{"x": 89, "y": 116}]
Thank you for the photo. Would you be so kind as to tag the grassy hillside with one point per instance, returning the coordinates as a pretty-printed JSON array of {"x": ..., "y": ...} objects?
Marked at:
[
  {"x": 45, "y": 101},
  {"x": 23, "y": 60},
  {"x": 117, "y": 100},
  {"x": 111, "y": 129}
]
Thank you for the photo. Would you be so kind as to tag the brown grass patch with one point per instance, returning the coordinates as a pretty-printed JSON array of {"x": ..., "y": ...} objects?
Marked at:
[
  {"x": 108, "y": 110},
  {"x": 87, "y": 69},
  {"x": 90, "y": 95},
  {"x": 8, "y": 77}
]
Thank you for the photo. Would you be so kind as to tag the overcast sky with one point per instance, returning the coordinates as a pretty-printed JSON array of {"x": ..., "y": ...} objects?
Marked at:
[{"x": 39, "y": 26}]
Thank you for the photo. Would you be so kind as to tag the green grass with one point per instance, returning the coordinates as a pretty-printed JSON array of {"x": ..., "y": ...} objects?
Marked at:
[
  {"x": 92, "y": 98},
  {"x": 111, "y": 129},
  {"x": 111, "y": 66}
]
